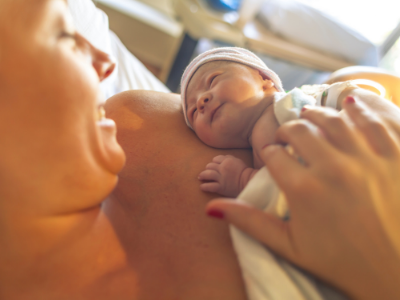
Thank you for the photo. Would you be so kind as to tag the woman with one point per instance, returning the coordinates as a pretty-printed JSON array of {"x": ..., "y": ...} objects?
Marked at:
[{"x": 63, "y": 235}]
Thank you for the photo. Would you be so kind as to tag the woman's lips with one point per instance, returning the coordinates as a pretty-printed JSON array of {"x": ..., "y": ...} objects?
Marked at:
[
  {"x": 107, "y": 125},
  {"x": 104, "y": 122},
  {"x": 112, "y": 155}
]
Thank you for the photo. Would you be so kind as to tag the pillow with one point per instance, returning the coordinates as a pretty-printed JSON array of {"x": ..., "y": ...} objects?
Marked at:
[{"x": 129, "y": 73}]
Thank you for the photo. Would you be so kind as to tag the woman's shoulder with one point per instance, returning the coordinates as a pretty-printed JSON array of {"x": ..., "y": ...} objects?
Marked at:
[{"x": 144, "y": 101}]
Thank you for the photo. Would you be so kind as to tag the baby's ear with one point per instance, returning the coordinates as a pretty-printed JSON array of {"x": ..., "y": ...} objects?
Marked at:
[{"x": 267, "y": 82}]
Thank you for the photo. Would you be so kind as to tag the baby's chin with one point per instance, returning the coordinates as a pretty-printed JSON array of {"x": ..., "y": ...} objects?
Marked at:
[{"x": 270, "y": 98}]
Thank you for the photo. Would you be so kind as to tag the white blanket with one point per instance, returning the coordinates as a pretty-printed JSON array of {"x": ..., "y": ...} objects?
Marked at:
[{"x": 267, "y": 276}]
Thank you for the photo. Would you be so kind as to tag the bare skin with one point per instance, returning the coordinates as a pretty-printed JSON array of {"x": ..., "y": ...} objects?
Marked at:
[
  {"x": 177, "y": 252},
  {"x": 62, "y": 236}
]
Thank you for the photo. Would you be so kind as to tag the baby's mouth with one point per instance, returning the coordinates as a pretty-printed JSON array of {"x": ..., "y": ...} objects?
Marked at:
[{"x": 214, "y": 112}]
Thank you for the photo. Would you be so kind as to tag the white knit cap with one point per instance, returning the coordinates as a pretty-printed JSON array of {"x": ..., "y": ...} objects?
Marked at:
[{"x": 234, "y": 54}]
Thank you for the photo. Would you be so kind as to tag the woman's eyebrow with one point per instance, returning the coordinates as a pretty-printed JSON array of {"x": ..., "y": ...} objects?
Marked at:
[
  {"x": 63, "y": 17},
  {"x": 65, "y": 1}
]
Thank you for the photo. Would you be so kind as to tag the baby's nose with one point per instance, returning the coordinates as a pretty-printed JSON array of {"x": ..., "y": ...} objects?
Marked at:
[{"x": 202, "y": 102}]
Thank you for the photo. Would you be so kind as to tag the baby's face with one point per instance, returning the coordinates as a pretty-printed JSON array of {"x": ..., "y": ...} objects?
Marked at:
[{"x": 224, "y": 100}]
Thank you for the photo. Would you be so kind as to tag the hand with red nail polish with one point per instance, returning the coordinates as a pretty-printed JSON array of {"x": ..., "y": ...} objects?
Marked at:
[
  {"x": 215, "y": 213},
  {"x": 344, "y": 202},
  {"x": 350, "y": 100}
]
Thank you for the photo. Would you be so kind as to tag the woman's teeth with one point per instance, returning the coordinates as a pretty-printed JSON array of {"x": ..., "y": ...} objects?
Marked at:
[{"x": 101, "y": 113}]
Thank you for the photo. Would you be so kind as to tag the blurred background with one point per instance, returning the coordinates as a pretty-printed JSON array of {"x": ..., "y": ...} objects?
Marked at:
[{"x": 303, "y": 41}]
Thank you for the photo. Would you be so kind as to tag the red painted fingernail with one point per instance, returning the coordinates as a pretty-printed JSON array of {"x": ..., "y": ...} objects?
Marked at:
[
  {"x": 350, "y": 100},
  {"x": 215, "y": 213},
  {"x": 303, "y": 109},
  {"x": 265, "y": 146}
]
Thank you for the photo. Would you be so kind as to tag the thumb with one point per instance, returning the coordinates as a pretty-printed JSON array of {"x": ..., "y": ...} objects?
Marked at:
[{"x": 264, "y": 227}]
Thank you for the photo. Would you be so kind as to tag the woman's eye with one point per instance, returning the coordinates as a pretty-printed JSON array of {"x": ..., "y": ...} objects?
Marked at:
[
  {"x": 68, "y": 35},
  {"x": 194, "y": 111}
]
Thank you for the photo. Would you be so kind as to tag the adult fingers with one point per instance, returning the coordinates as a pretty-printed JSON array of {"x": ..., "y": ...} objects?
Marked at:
[
  {"x": 333, "y": 125},
  {"x": 378, "y": 135},
  {"x": 268, "y": 229},
  {"x": 209, "y": 175},
  {"x": 306, "y": 140},
  {"x": 211, "y": 187},
  {"x": 284, "y": 168}
]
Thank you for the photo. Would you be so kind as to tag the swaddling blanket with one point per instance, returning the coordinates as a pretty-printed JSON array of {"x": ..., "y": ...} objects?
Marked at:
[{"x": 267, "y": 276}]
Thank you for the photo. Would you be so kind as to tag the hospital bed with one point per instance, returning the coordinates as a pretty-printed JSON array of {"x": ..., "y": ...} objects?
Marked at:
[{"x": 287, "y": 31}]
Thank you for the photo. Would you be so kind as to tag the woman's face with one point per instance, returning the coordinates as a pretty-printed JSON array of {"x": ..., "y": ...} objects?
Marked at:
[{"x": 50, "y": 129}]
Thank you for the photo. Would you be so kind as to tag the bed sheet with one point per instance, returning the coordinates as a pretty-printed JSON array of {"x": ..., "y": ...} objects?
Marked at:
[{"x": 311, "y": 27}]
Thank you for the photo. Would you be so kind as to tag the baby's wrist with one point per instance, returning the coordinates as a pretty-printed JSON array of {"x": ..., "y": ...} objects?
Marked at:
[
  {"x": 334, "y": 95},
  {"x": 246, "y": 176}
]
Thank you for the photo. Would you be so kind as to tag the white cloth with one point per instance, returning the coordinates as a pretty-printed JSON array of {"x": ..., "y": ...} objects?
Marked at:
[
  {"x": 267, "y": 276},
  {"x": 308, "y": 26},
  {"x": 129, "y": 73}
]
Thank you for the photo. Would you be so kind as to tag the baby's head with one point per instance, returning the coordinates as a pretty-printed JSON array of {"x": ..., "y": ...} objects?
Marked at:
[{"x": 223, "y": 93}]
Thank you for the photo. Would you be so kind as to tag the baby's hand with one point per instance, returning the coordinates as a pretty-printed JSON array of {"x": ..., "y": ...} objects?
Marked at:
[{"x": 222, "y": 175}]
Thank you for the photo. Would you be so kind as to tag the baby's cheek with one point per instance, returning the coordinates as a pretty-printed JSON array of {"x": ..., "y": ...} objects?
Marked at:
[
  {"x": 201, "y": 133},
  {"x": 208, "y": 137}
]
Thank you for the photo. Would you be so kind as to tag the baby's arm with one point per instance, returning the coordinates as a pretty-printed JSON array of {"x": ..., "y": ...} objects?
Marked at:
[{"x": 226, "y": 175}]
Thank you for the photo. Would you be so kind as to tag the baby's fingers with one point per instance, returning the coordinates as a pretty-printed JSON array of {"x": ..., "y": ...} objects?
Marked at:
[
  {"x": 211, "y": 187},
  {"x": 209, "y": 175},
  {"x": 378, "y": 135},
  {"x": 212, "y": 166},
  {"x": 219, "y": 159}
]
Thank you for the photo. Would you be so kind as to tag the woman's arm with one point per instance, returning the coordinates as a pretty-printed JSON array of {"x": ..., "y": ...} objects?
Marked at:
[{"x": 344, "y": 201}]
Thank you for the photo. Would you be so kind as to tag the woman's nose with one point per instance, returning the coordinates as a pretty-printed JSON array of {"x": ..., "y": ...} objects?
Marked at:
[{"x": 102, "y": 63}]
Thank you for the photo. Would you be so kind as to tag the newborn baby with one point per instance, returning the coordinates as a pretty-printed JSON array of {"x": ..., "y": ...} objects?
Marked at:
[{"x": 231, "y": 99}]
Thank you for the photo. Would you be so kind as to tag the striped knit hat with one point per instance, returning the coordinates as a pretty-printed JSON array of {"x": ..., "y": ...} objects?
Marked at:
[{"x": 234, "y": 54}]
